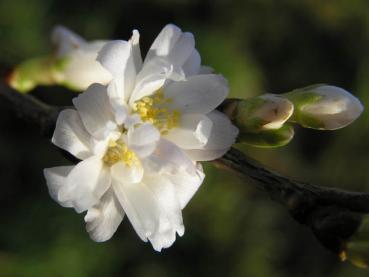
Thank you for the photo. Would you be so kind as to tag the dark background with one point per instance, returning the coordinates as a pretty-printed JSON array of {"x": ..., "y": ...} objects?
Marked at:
[{"x": 232, "y": 229}]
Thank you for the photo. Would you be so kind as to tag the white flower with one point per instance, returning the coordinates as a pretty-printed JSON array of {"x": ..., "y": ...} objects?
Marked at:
[
  {"x": 171, "y": 90},
  {"x": 139, "y": 138},
  {"x": 126, "y": 168},
  {"x": 76, "y": 65}
]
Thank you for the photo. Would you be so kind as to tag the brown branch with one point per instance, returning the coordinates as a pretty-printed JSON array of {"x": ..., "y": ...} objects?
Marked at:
[{"x": 332, "y": 214}]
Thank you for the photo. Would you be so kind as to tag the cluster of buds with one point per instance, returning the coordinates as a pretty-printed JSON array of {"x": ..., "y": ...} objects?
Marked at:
[{"x": 267, "y": 120}]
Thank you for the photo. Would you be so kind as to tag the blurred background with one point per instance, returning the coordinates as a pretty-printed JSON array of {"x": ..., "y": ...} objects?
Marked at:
[{"x": 232, "y": 229}]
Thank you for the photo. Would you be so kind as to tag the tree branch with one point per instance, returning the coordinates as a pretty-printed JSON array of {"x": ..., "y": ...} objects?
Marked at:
[{"x": 332, "y": 214}]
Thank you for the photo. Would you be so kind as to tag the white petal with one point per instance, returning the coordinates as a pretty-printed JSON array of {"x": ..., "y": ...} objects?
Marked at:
[
  {"x": 198, "y": 94},
  {"x": 172, "y": 44},
  {"x": 121, "y": 112},
  {"x": 153, "y": 210},
  {"x": 104, "y": 218},
  {"x": 192, "y": 65},
  {"x": 71, "y": 135},
  {"x": 193, "y": 131},
  {"x": 85, "y": 184},
  {"x": 187, "y": 184},
  {"x": 81, "y": 68},
  {"x": 144, "y": 134},
  {"x": 182, "y": 50},
  {"x": 168, "y": 158},
  {"x": 143, "y": 139},
  {"x": 128, "y": 174},
  {"x": 117, "y": 57},
  {"x": 150, "y": 79},
  {"x": 137, "y": 58},
  {"x": 55, "y": 180},
  {"x": 65, "y": 40},
  {"x": 139, "y": 206},
  {"x": 170, "y": 216},
  {"x": 222, "y": 137},
  {"x": 223, "y": 133},
  {"x": 164, "y": 42},
  {"x": 205, "y": 155},
  {"x": 95, "y": 110},
  {"x": 143, "y": 151},
  {"x": 204, "y": 69}
]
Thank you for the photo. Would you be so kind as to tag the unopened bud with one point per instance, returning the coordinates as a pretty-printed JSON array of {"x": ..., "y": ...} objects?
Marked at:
[
  {"x": 73, "y": 64},
  {"x": 268, "y": 138},
  {"x": 265, "y": 112},
  {"x": 261, "y": 120},
  {"x": 324, "y": 107}
]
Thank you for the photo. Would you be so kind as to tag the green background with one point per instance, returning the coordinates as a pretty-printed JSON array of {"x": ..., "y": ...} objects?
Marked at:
[{"x": 232, "y": 229}]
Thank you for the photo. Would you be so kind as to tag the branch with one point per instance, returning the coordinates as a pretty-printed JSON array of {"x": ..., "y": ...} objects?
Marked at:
[
  {"x": 31, "y": 110},
  {"x": 332, "y": 214}
]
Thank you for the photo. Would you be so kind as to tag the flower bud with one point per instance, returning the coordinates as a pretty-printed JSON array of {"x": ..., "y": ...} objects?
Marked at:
[
  {"x": 268, "y": 138},
  {"x": 324, "y": 107},
  {"x": 265, "y": 112},
  {"x": 73, "y": 64},
  {"x": 261, "y": 120}
]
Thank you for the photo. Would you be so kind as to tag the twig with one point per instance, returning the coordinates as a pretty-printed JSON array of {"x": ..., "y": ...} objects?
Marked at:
[{"x": 332, "y": 214}]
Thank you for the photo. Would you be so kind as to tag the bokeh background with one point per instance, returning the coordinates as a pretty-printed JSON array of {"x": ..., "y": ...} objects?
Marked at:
[{"x": 232, "y": 229}]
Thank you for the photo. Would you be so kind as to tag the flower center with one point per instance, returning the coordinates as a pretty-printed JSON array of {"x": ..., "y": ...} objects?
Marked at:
[
  {"x": 154, "y": 109},
  {"x": 118, "y": 151}
]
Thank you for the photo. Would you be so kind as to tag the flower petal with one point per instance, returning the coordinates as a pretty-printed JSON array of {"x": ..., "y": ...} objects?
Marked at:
[
  {"x": 65, "y": 40},
  {"x": 193, "y": 131},
  {"x": 151, "y": 78},
  {"x": 128, "y": 174},
  {"x": 198, "y": 94},
  {"x": 81, "y": 68},
  {"x": 192, "y": 65},
  {"x": 55, "y": 180},
  {"x": 117, "y": 57},
  {"x": 172, "y": 44},
  {"x": 223, "y": 136},
  {"x": 187, "y": 184},
  {"x": 205, "y": 155},
  {"x": 164, "y": 42},
  {"x": 168, "y": 158},
  {"x": 71, "y": 135},
  {"x": 103, "y": 219},
  {"x": 144, "y": 134},
  {"x": 85, "y": 184},
  {"x": 170, "y": 215},
  {"x": 95, "y": 110},
  {"x": 137, "y": 58},
  {"x": 139, "y": 206},
  {"x": 153, "y": 210}
]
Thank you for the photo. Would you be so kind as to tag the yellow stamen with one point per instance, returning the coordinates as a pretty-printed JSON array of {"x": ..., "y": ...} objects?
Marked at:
[
  {"x": 154, "y": 109},
  {"x": 118, "y": 151}
]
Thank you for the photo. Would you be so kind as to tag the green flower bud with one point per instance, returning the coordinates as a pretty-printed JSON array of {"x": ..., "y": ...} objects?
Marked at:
[
  {"x": 268, "y": 138},
  {"x": 265, "y": 112},
  {"x": 73, "y": 64},
  {"x": 261, "y": 120},
  {"x": 324, "y": 107}
]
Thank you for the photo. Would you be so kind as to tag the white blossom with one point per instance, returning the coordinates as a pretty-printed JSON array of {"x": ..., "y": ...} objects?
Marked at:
[
  {"x": 126, "y": 168},
  {"x": 75, "y": 60},
  {"x": 171, "y": 90},
  {"x": 140, "y": 137}
]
